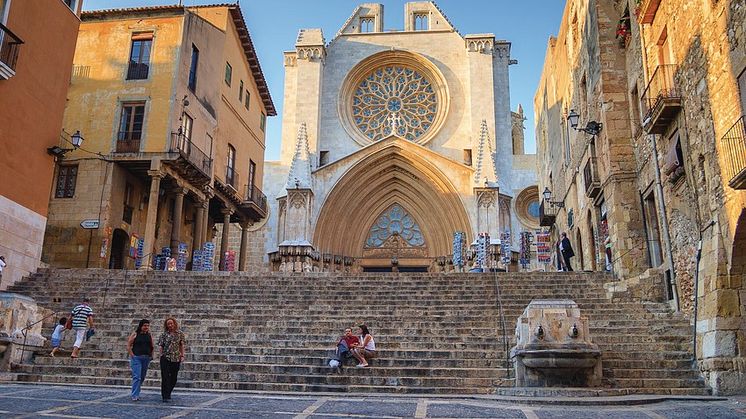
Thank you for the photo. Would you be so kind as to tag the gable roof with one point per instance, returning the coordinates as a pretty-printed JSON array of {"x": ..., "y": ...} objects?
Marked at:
[{"x": 238, "y": 21}]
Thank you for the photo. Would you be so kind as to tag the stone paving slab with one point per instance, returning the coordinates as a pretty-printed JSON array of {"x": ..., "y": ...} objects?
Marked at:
[{"x": 70, "y": 401}]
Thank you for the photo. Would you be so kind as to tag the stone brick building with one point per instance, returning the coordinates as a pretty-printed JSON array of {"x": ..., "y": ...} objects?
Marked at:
[
  {"x": 667, "y": 81},
  {"x": 37, "y": 43},
  {"x": 173, "y": 104}
]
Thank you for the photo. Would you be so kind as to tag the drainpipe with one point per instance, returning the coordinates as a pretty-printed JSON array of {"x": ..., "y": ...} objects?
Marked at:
[{"x": 664, "y": 224}]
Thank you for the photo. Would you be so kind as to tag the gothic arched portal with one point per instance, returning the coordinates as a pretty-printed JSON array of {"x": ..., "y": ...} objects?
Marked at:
[{"x": 396, "y": 176}]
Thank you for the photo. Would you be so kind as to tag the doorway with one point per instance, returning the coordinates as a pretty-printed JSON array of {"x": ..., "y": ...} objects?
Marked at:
[{"x": 119, "y": 242}]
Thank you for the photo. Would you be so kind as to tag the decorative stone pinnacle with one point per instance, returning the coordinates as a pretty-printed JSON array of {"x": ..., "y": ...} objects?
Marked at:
[{"x": 300, "y": 168}]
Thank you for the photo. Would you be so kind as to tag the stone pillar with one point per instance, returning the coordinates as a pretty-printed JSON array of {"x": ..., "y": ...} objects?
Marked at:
[
  {"x": 205, "y": 222},
  {"x": 244, "y": 243},
  {"x": 199, "y": 226},
  {"x": 155, "y": 188},
  {"x": 227, "y": 212},
  {"x": 177, "y": 221}
]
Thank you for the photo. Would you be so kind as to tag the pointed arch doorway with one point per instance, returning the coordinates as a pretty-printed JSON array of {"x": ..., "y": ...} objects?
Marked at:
[{"x": 393, "y": 210}]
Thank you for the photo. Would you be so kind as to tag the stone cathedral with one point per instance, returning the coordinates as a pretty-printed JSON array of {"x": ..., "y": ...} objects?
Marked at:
[{"x": 392, "y": 141}]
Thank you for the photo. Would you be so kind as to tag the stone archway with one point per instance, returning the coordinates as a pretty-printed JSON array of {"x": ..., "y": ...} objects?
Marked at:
[{"x": 394, "y": 175}]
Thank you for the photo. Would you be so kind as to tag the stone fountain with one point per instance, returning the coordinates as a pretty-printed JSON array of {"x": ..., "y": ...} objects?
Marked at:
[{"x": 554, "y": 347}]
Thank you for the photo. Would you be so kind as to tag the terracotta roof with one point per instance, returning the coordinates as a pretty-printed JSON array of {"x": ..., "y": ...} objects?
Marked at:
[
  {"x": 252, "y": 59},
  {"x": 241, "y": 28}
]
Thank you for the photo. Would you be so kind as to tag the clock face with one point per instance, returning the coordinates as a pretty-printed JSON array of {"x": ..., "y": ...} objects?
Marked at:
[{"x": 394, "y": 100}]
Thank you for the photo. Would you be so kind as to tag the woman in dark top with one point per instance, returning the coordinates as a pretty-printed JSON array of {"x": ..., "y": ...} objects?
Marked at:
[{"x": 140, "y": 349}]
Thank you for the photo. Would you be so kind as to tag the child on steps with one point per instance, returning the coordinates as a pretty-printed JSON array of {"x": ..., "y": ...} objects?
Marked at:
[{"x": 57, "y": 336}]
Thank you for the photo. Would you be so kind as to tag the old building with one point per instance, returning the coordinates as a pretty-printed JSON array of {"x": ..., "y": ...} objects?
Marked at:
[
  {"x": 666, "y": 80},
  {"x": 392, "y": 141},
  {"x": 37, "y": 43},
  {"x": 172, "y": 103}
]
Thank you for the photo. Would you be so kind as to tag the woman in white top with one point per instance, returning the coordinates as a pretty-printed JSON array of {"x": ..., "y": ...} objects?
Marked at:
[{"x": 367, "y": 348}]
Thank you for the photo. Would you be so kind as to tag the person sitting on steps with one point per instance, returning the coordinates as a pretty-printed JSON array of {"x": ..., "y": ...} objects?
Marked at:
[
  {"x": 345, "y": 344},
  {"x": 367, "y": 349}
]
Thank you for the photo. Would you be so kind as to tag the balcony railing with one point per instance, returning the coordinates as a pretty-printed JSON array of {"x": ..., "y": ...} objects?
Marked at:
[
  {"x": 661, "y": 100},
  {"x": 10, "y": 44},
  {"x": 128, "y": 142},
  {"x": 590, "y": 178},
  {"x": 734, "y": 144},
  {"x": 136, "y": 71},
  {"x": 256, "y": 196},
  {"x": 547, "y": 214},
  {"x": 231, "y": 177},
  {"x": 191, "y": 153}
]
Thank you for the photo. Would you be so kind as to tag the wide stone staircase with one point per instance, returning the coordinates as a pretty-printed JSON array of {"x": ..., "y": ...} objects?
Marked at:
[{"x": 436, "y": 333}]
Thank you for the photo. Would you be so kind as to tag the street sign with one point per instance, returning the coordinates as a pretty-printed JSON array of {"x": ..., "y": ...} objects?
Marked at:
[{"x": 89, "y": 224}]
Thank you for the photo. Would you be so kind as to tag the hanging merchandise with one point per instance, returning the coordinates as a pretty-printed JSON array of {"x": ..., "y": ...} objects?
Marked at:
[
  {"x": 208, "y": 256},
  {"x": 181, "y": 257},
  {"x": 543, "y": 247},
  {"x": 230, "y": 261},
  {"x": 505, "y": 248},
  {"x": 483, "y": 243},
  {"x": 458, "y": 249},
  {"x": 527, "y": 239},
  {"x": 140, "y": 252}
]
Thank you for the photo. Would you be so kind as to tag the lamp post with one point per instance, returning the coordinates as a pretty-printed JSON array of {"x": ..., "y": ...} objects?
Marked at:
[
  {"x": 592, "y": 127},
  {"x": 547, "y": 194},
  {"x": 76, "y": 140}
]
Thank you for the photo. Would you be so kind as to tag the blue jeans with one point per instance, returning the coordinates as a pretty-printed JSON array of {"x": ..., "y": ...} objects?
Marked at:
[{"x": 139, "y": 367}]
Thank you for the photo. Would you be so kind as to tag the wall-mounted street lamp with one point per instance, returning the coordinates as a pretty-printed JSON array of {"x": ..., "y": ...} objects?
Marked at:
[
  {"x": 76, "y": 140},
  {"x": 592, "y": 127},
  {"x": 548, "y": 199}
]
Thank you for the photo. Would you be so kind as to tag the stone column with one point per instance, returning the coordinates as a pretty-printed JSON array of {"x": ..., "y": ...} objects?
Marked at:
[
  {"x": 205, "y": 222},
  {"x": 177, "y": 221},
  {"x": 244, "y": 243},
  {"x": 155, "y": 188},
  {"x": 227, "y": 212},
  {"x": 199, "y": 226}
]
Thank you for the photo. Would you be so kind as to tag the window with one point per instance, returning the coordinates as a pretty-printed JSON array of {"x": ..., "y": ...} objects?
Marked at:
[
  {"x": 652, "y": 230},
  {"x": 323, "y": 157},
  {"x": 66, "y": 179},
  {"x": 128, "y": 208},
  {"x": 230, "y": 169},
  {"x": 139, "y": 63},
  {"x": 228, "y": 73},
  {"x": 263, "y": 122},
  {"x": 421, "y": 22},
  {"x": 193, "y": 69},
  {"x": 185, "y": 139},
  {"x": 130, "y": 126},
  {"x": 366, "y": 25},
  {"x": 246, "y": 100},
  {"x": 566, "y": 137},
  {"x": 240, "y": 92},
  {"x": 72, "y": 4},
  {"x": 467, "y": 157},
  {"x": 252, "y": 175}
]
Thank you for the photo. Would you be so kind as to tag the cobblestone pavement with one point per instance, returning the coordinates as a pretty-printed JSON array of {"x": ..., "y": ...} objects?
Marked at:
[{"x": 55, "y": 401}]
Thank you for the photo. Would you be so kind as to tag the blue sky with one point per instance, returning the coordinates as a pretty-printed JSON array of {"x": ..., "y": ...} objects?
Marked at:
[{"x": 274, "y": 24}]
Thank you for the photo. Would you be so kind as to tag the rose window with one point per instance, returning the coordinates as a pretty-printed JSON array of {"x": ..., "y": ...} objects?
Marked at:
[
  {"x": 395, "y": 221},
  {"x": 394, "y": 100}
]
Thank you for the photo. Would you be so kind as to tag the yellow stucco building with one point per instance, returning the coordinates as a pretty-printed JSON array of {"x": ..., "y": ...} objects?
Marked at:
[{"x": 172, "y": 104}]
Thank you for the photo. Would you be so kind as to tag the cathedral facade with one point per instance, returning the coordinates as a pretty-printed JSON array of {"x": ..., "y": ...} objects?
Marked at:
[{"x": 393, "y": 141}]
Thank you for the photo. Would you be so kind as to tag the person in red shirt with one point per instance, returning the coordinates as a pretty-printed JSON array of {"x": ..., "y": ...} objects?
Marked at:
[{"x": 351, "y": 340}]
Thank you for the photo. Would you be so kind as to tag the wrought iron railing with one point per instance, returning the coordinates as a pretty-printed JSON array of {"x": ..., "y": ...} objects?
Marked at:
[
  {"x": 661, "y": 86},
  {"x": 231, "y": 177},
  {"x": 181, "y": 144},
  {"x": 9, "y": 47},
  {"x": 255, "y": 195},
  {"x": 734, "y": 144},
  {"x": 128, "y": 142},
  {"x": 137, "y": 71}
]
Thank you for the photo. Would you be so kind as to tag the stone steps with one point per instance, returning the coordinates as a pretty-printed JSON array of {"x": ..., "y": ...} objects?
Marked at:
[{"x": 436, "y": 333}]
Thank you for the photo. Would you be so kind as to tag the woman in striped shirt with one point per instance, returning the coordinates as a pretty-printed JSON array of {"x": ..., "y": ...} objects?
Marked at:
[{"x": 82, "y": 316}]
